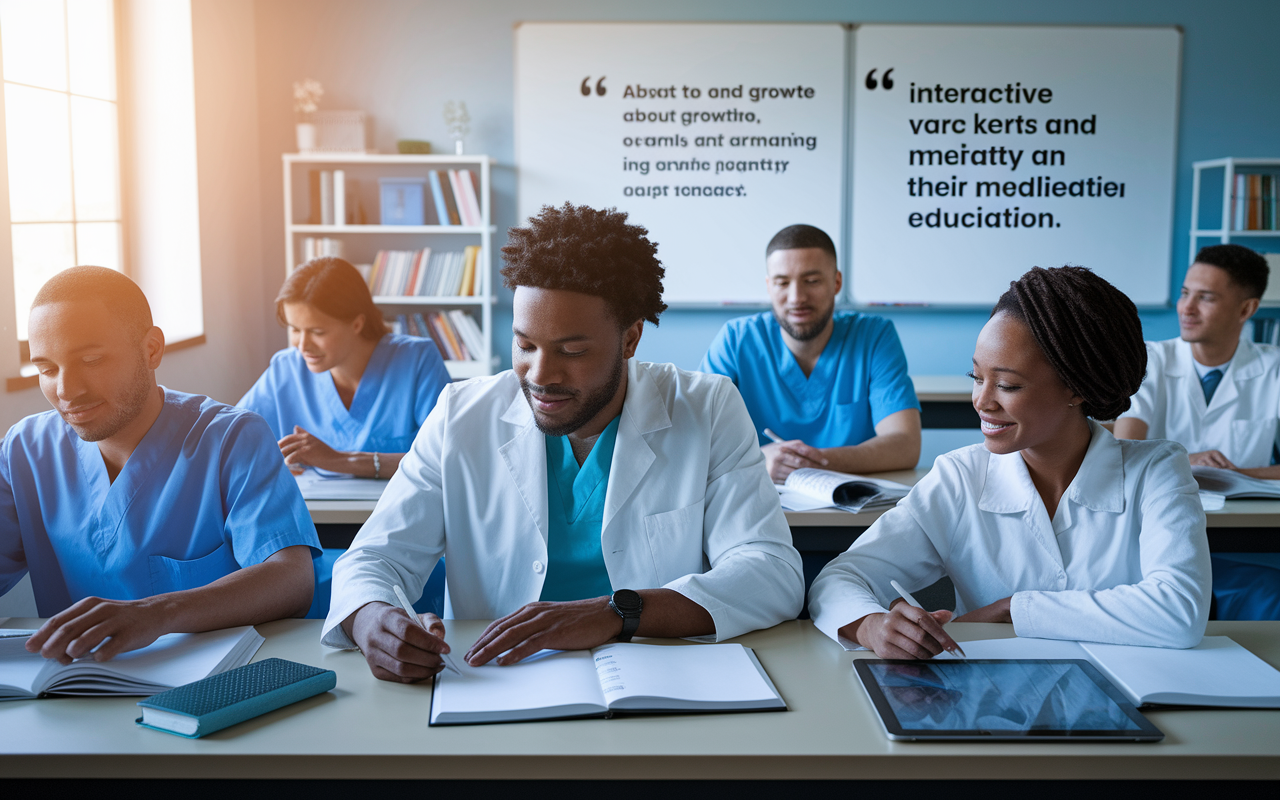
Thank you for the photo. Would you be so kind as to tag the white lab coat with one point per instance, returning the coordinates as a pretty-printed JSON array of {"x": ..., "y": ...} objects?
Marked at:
[
  {"x": 689, "y": 506},
  {"x": 1241, "y": 422},
  {"x": 1125, "y": 559}
]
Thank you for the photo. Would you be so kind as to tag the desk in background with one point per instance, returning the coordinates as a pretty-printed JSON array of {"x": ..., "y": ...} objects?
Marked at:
[
  {"x": 372, "y": 729},
  {"x": 1242, "y": 526},
  {"x": 946, "y": 401}
]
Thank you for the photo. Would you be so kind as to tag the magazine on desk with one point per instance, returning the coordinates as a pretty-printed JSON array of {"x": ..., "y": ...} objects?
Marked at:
[
  {"x": 810, "y": 489},
  {"x": 172, "y": 660},
  {"x": 612, "y": 678},
  {"x": 1218, "y": 672},
  {"x": 1219, "y": 485}
]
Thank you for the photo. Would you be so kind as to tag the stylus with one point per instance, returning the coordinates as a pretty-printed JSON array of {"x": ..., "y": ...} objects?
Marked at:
[
  {"x": 413, "y": 615},
  {"x": 897, "y": 587}
]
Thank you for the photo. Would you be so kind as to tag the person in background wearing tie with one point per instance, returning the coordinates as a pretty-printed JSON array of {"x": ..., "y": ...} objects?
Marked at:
[
  {"x": 580, "y": 497},
  {"x": 138, "y": 510},
  {"x": 1219, "y": 396},
  {"x": 834, "y": 387},
  {"x": 347, "y": 395},
  {"x": 1052, "y": 523}
]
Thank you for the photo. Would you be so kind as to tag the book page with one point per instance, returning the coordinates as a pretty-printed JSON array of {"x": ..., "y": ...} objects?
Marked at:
[
  {"x": 1217, "y": 672},
  {"x": 1233, "y": 484},
  {"x": 560, "y": 684},
  {"x": 22, "y": 673},
  {"x": 695, "y": 676},
  {"x": 172, "y": 660}
]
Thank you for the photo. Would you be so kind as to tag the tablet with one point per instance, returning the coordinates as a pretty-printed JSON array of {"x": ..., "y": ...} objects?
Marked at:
[{"x": 1000, "y": 701}]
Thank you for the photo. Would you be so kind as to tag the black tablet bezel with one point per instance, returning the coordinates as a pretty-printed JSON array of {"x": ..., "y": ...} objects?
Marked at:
[{"x": 894, "y": 730}]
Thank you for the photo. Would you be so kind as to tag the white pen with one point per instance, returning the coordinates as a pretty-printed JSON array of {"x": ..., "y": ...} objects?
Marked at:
[
  {"x": 775, "y": 438},
  {"x": 413, "y": 615},
  {"x": 897, "y": 587}
]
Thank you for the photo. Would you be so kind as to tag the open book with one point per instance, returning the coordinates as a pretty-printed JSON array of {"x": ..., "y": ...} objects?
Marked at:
[
  {"x": 808, "y": 489},
  {"x": 172, "y": 660},
  {"x": 624, "y": 677},
  {"x": 1216, "y": 672},
  {"x": 331, "y": 486},
  {"x": 1216, "y": 485}
]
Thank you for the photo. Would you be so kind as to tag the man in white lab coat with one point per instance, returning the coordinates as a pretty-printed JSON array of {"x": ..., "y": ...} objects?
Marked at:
[
  {"x": 580, "y": 497},
  {"x": 1219, "y": 396}
]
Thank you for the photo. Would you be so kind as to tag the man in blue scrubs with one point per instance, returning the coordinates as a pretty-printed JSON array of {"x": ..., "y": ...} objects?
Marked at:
[
  {"x": 139, "y": 510},
  {"x": 834, "y": 387}
]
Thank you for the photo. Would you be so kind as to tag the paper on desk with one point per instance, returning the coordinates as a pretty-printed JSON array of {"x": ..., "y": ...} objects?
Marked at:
[
  {"x": 317, "y": 486},
  {"x": 796, "y": 501},
  {"x": 1212, "y": 501}
]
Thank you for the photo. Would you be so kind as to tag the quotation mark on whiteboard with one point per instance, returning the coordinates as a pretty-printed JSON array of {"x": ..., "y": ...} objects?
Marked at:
[
  {"x": 586, "y": 88},
  {"x": 886, "y": 81}
]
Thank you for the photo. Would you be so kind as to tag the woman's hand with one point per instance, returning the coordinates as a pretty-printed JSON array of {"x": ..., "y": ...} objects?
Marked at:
[
  {"x": 905, "y": 632},
  {"x": 301, "y": 449}
]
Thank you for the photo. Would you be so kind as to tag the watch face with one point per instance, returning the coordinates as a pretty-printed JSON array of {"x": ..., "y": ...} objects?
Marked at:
[{"x": 627, "y": 601}]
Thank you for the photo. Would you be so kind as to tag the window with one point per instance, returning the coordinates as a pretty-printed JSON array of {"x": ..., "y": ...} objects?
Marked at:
[{"x": 62, "y": 132}]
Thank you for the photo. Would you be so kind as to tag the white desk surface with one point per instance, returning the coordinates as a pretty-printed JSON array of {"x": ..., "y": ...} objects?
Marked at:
[
  {"x": 372, "y": 729},
  {"x": 943, "y": 388},
  {"x": 1236, "y": 513}
]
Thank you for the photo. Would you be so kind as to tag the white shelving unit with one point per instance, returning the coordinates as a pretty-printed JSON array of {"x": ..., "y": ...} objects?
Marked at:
[
  {"x": 362, "y": 242},
  {"x": 1263, "y": 241}
]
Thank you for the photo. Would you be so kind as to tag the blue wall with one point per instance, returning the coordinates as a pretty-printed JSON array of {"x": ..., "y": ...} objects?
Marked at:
[{"x": 401, "y": 59}]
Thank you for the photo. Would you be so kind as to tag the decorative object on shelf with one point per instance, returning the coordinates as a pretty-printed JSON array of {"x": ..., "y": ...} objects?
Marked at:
[
  {"x": 306, "y": 101},
  {"x": 458, "y": 121},
  {"x": 340, "y": 131},
  {"x": 414, "y": 147},
  {"x": 402, "y": 200}
]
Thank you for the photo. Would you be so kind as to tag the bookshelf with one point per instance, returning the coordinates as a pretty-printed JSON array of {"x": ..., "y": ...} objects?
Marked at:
[
  {"x": 1213, "y": 220},
  {"x": 363, "y": 237}
]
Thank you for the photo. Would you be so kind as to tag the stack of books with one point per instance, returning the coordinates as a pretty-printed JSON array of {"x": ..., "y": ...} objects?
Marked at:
[
  {"x": 420, "y": 273},
  {"x": 455, "y": 332},
  {"x": 454, "y": 198},
  {"x": 1253, "y": 202},
  {"x": 318, "y": 246}
]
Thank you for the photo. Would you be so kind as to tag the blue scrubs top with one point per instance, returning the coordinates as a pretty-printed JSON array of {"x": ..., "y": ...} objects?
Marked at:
[
  {"x": 860, "y": 378},
  {"x": 398, "y": 389},
  {"x": 575, "y": 501},
  {"x": 205, "y": 493}
]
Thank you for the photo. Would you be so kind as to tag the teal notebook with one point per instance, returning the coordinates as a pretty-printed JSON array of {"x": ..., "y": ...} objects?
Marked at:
[{"x": 211, "y": 704}]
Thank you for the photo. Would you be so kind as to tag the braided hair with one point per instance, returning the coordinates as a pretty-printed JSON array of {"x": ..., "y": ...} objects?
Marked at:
[{"x": 1088, "y": 330}]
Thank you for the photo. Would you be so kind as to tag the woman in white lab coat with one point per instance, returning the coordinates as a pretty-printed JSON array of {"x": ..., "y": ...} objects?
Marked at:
[{"x": 1051, "y": 524}]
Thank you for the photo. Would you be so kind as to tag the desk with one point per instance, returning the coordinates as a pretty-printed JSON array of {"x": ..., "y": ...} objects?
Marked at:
[
  {"x": 1242, "y": 526},
  {"x": 946, "y": 401},
  {"x": 372, "y": 729}
]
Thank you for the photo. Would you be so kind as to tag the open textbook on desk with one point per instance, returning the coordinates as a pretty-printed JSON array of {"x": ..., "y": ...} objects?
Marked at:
[
  {"x": 1219, "y": 485},
  {"x": 172, "y": 660},
  {"x": 624, "y": 677},
  {"x": 810, "y": 489},
  {"x": 1216, "y": 672}
]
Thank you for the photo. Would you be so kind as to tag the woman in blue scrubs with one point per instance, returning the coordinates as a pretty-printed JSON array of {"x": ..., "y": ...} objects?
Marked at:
[{"x": 348, "y": 395}]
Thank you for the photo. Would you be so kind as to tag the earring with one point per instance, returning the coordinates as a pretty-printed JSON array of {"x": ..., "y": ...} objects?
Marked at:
[{"x": 1071, "y": 405}]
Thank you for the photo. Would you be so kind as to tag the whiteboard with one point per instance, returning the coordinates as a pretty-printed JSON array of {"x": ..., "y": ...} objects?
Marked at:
[
  {"x": 1101, "y": 198},
  {"x": 606, "y": 116}
]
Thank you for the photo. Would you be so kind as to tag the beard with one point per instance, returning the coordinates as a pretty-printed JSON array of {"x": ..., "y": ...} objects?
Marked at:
[
  {"x": 590, "y": 405},
  {"x": 130, "y": 406},
  {"x": 805, "y": 333}
]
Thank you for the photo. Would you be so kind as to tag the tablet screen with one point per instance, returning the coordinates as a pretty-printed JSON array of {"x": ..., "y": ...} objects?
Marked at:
[{"x": 1023, "y": 698}]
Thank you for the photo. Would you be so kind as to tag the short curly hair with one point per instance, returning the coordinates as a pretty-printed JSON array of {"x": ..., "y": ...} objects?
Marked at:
[
  {"x": 580, "y": 249},
  {"x": 1087, "y": 329}
]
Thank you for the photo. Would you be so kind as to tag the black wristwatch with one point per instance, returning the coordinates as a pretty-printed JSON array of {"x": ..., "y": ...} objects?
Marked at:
[{"x": 628, "y": 605}]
